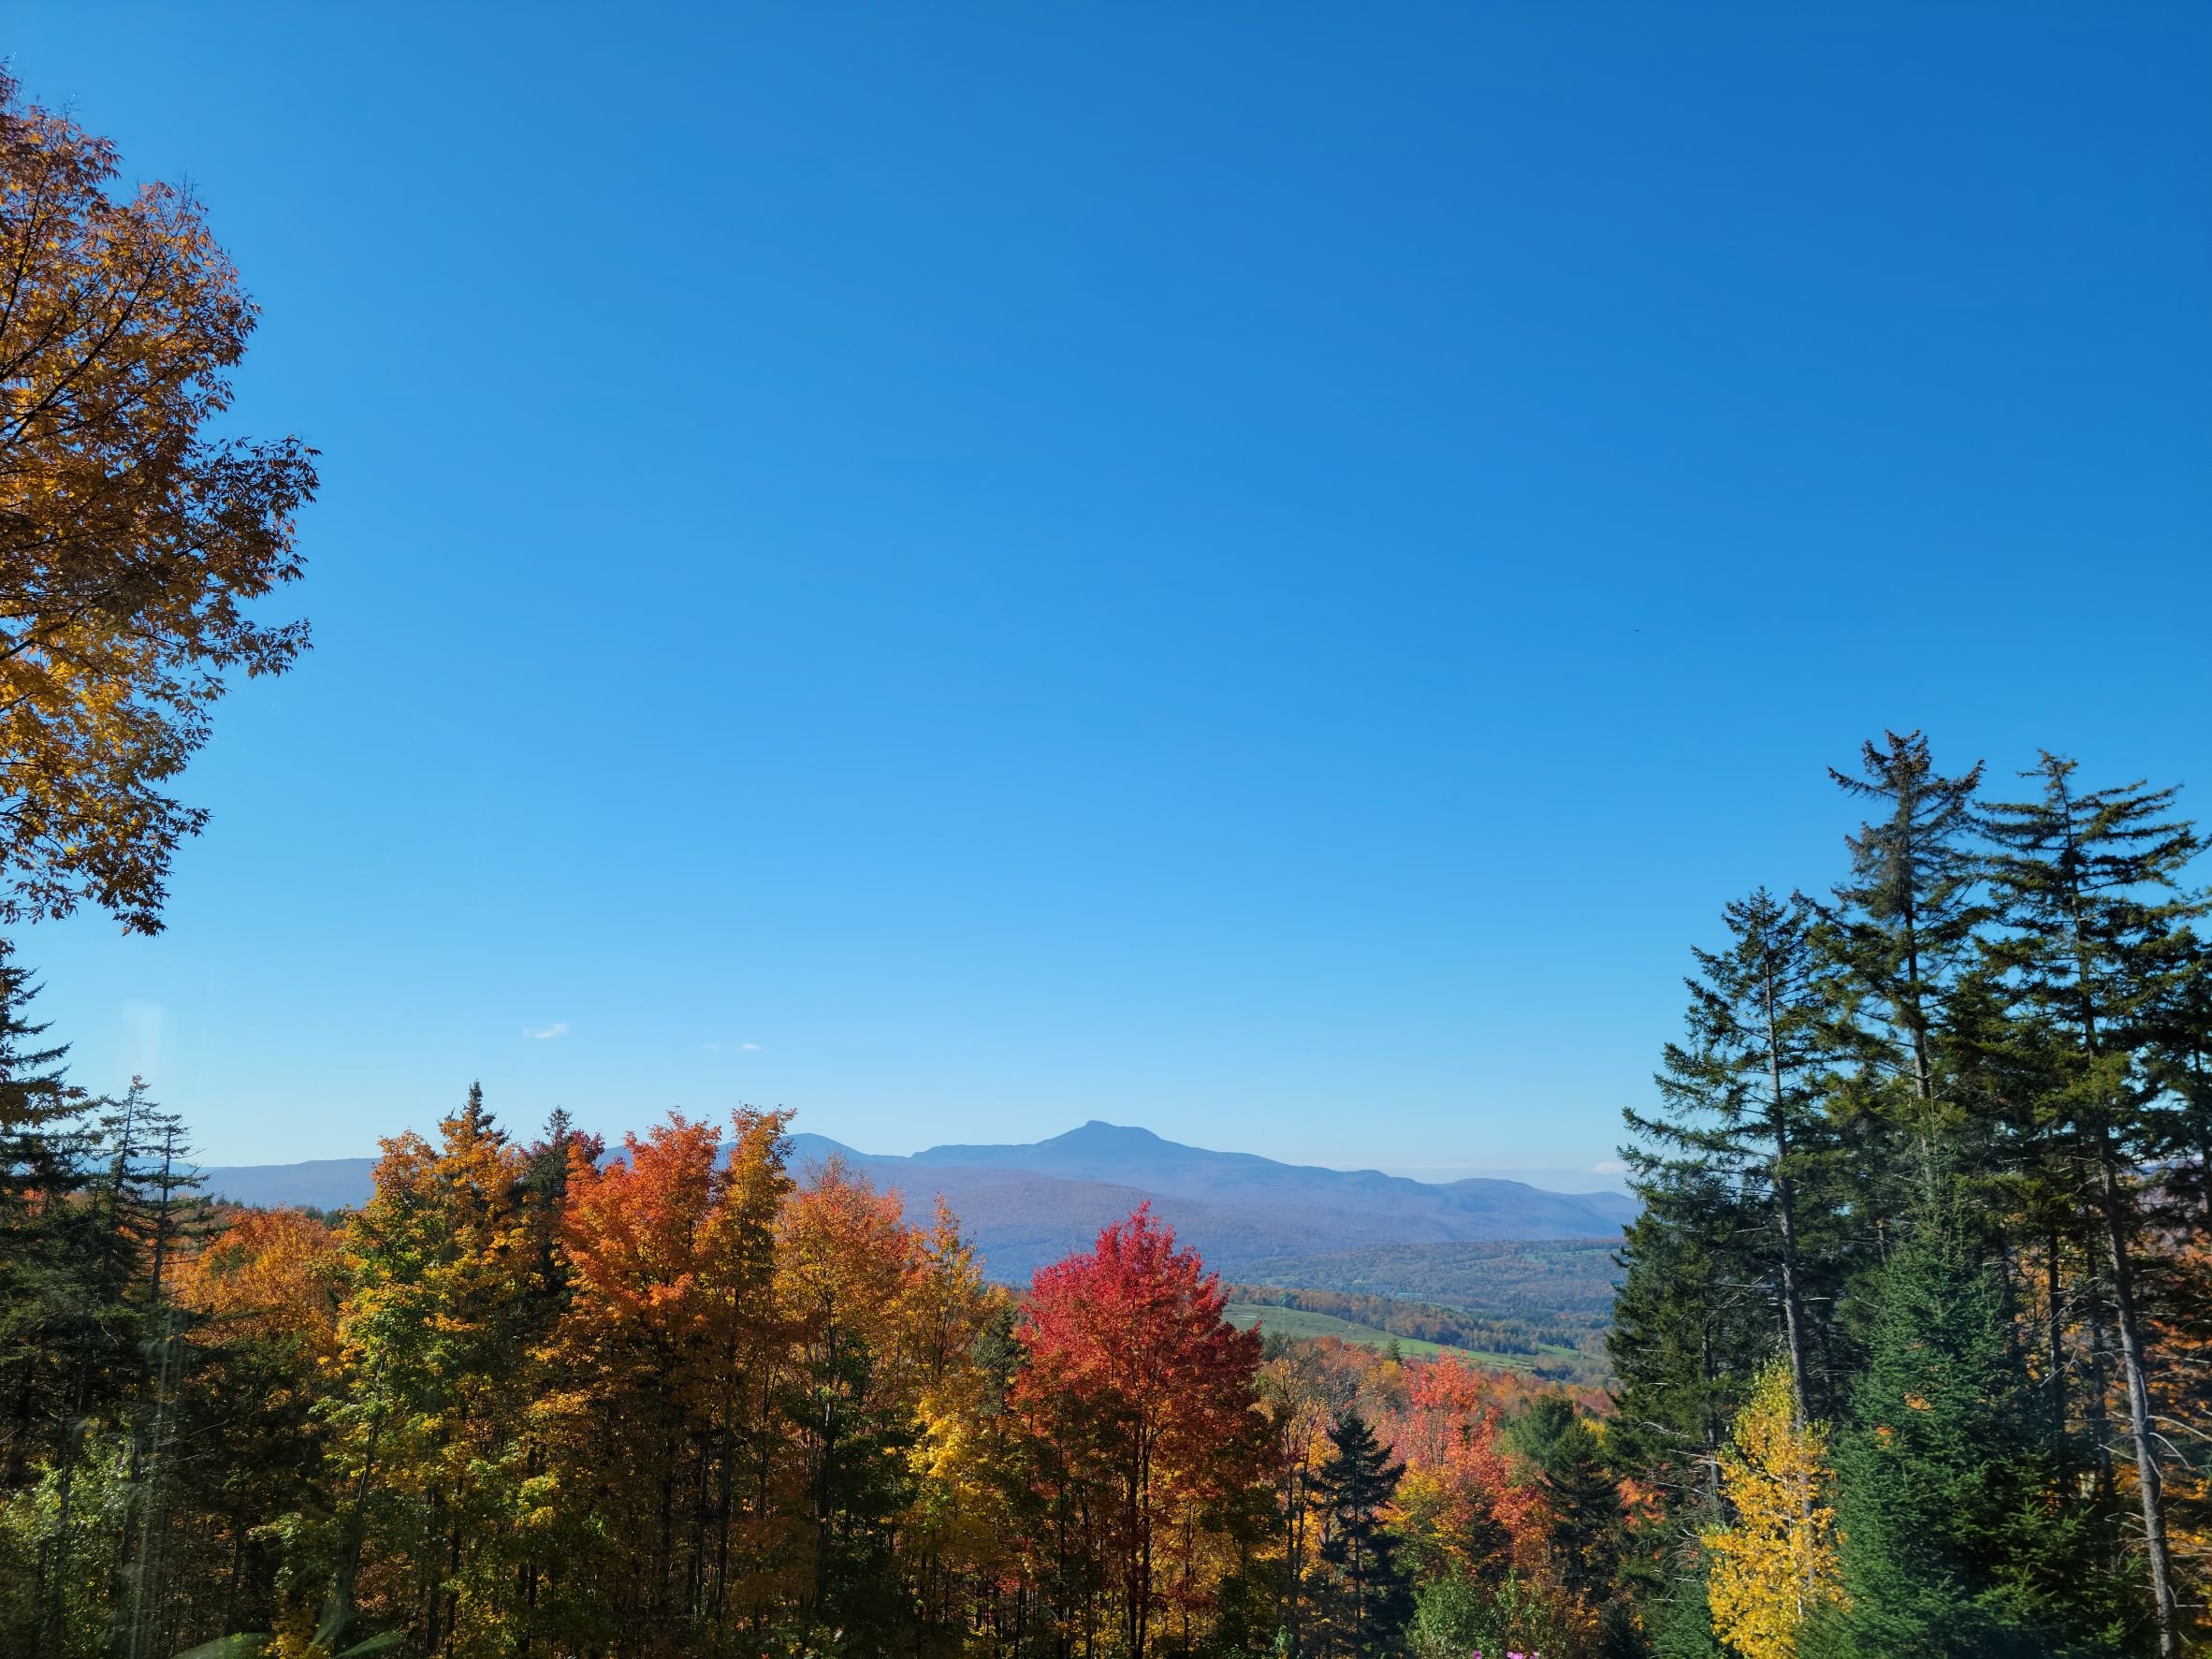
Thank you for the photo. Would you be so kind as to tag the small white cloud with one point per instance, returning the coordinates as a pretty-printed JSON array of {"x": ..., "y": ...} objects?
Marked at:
[
  {"x": 748, "y": 1048},
  {"x": 1612, "y": 1166},
  {"x": 541, "y": 1033}
]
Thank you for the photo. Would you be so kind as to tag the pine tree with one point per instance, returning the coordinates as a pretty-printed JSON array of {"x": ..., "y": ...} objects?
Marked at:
[
  {"x": 1959, "y": 1541},
  {"x": 2179, "y": 1027},
  {"x": 1690, "y": 1326},
  {"x": 166, "y": 1220},
  {"x": 2087, "y": 886},
  {"x": 1372, "y": 1602},
  {"x": 1900, "y": 924},
  {"x": 41, "y": 1145},
  {"x": 1742, "y": 1092},
  {"x": 1579, "y": 1492}
]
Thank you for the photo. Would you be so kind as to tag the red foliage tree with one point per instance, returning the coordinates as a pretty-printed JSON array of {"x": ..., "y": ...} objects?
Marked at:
[{"x": 1127, "y": 1348}]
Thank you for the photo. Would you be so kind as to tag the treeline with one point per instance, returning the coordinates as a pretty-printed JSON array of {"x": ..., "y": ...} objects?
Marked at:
[
  {"x": 1562, "y": 1281},
  {"x": 532, "y": 1400},
  {"x": 1912, "y": 1348},
  {"x": 1423, "y": 1321}
]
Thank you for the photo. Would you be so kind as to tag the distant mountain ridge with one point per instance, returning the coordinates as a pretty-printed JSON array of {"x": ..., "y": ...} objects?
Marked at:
[{"x": 1026, "y": 1206}]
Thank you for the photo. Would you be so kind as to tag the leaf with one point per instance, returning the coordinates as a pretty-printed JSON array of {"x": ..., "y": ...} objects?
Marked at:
[{"x": 229, "y": 1647}]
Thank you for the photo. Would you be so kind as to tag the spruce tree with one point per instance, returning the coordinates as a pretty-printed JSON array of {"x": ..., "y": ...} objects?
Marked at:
[
  {"x": 1689, "y": 1326},
  {"x": 1743, "y": 1095},
  {"x": 1372, "y": 1602},
  {"x": 1579, "y": 1492},
  {"x": 2087, "y": 886},
  {"x": 2180, "y": 1030},
  {"x": 1900, "y": 926},
  {"x": 1959, "y": 1537},
  {"x": 41, "y": 1143}
]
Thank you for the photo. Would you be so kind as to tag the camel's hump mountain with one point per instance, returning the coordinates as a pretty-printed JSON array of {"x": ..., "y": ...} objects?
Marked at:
[{"x": 1028, "y": 1204}]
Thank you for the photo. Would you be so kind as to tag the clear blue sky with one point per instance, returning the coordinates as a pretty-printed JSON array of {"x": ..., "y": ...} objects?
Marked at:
[{"x": 1258, "y": 571}]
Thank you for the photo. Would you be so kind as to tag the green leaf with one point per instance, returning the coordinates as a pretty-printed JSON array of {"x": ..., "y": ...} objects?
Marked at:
[{"x": 243, "y": 1646}]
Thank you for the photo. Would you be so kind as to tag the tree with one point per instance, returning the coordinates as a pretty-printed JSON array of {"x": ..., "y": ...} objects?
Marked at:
[
  {"x": 1373, "y": 1598},
  {"x": 1958, "y": 1541},
  {"x": 849, "y": 1275},
  {"x": 436, "y": 1381},
  {"x": 676, "y": 1494},
  {"x": 1304, "y": 1396},
  {"x": 1580, "y": 1494},
  {"x": 262, "y": 1298},
  {"x": 1773, "y": 1566},
  {"x": 1127, "y": 1350},
  {"x": 2179, "y": 1027},
  {"x": 2087, "y": 882},
  {"x": 41, "y": 1169},
  {"x": 1692, "y": 1321},
  {"x": 1900, "y": 924},
  {"x": 1743, "y": 1095},
  {"x": 132, "y": 544}
]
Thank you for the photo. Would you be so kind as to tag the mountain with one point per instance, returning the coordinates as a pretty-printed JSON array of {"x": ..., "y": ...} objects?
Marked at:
[
  {"x": 1031, "y": 1205},
  {"x": 1470, "y": 1209},
  {"x": 320, "y": 1184},
  {"x": 1026, "y": 1206}
]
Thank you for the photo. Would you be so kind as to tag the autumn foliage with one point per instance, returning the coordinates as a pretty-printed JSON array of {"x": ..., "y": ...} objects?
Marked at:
[
  {"x": 133, "y": 541},
  {"x": 1144, "y": 1397},
  {"x": 536, "y": 1398}
]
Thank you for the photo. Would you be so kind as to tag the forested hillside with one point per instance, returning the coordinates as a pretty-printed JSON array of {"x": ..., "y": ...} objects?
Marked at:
[
  {"x": 1912, "y": 1347},
  {"x": 1027, "y": 1205},
  {"x": 532, "y": 1399}
]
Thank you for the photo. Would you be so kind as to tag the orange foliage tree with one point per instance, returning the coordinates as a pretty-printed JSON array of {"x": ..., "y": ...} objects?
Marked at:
[{"x": 132, "y": 545}]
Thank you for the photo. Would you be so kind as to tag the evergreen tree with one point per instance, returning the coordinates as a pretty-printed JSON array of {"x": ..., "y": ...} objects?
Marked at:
[
  {"x": 1690, "y": 1327},
  {"x": 2087, "y": 886},
  {"x": 1580, "y": 1493},
  {"x": 1959, "y": 1537},
  {"x": 41, "y": 1141},
  {"x": 2179, "y": 1027},
  {"x": 1742, "y": 1095},
  {"x": 1372, "y": 1598},
  {"x": 1902, "y": 921}
]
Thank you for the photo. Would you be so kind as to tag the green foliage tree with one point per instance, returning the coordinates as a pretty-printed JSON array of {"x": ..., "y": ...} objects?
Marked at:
[
  {"x": 1742, "y": 1097},
  {"x": 2088, "y": 887},
  {"x": 42, "y": 1140},
  {"x": 1371, "y": 1598},
  {"x": 1957, "y": 1540},
  {"x": 1581, "y": 1492},
  {"x": 1900, "y": 924}
]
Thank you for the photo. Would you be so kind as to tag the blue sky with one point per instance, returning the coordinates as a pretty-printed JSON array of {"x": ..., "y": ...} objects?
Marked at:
[{"x": 1258, "y": 571}]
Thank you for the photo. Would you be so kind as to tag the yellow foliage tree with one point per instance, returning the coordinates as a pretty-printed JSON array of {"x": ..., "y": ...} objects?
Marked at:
[
  {"x": 134, "y": 540},
  {"x": 1777, "y": 1563}
]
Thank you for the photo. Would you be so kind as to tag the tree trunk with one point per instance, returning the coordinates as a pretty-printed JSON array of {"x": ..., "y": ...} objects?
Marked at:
[
  {"x": 2149, "y": 1480},
  {"x": 1793, "y": 1314},
  {"x": 2055, "y": 1293}
]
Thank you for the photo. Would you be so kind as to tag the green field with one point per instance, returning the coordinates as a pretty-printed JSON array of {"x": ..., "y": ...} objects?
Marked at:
[{"x": 1296, "y": 1322}]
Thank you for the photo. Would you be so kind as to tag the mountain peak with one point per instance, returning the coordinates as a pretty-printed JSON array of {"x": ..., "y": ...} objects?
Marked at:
[{"x": 1097, "y": 1132}]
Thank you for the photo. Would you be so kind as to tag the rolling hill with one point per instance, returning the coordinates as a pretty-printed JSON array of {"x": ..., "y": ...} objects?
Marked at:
[{"x": 1026, "y": 1206}]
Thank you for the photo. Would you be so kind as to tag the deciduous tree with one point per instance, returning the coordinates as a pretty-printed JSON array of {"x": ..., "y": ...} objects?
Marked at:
[
  {"x": 134, "y": 541},
  {"x": 1129, "y": 1342}
]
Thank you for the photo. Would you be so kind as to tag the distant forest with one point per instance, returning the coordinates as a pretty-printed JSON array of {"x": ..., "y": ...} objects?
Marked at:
[
  {"x": 530, "y": 1399},
  {"x": 1582, "y": 1338},
  {"x": 1538, "y": 1278}
]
